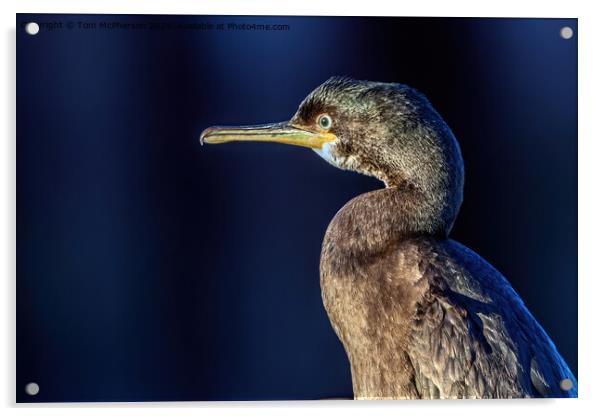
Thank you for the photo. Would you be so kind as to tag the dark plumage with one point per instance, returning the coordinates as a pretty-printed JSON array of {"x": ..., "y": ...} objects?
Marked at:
[{"x": 419, "y": 315}]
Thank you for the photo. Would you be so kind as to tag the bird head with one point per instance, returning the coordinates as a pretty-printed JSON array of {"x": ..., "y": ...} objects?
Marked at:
[{"x": 386, "y": 130}]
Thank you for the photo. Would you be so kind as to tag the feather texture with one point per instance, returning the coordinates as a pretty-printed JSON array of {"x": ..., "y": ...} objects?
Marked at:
[{"x": 432, "y": 319}]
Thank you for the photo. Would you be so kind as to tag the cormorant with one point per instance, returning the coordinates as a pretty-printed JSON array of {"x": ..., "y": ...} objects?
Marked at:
[{"x": 419, "y": 315}]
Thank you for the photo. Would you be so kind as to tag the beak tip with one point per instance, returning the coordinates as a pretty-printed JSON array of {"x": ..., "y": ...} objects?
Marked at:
[{"x": 204, "y": 134}]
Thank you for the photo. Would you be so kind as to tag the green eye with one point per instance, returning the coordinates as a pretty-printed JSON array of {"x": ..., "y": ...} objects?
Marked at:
[{"x": 324, "y": 121}]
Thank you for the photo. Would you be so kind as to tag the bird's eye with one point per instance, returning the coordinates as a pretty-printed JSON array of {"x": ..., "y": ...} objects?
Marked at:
[{"x": 324, "y": 121}]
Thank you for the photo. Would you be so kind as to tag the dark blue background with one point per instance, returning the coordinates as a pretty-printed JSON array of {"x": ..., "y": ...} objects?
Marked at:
[{"x": 149, "y": 268}]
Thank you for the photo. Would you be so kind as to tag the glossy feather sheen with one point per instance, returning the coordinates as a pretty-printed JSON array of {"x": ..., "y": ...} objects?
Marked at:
[{"x": 429, "y": 318}]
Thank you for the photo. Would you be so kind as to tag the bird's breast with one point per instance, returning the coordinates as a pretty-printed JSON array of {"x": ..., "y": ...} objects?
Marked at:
[
  {"x": 371, "y": 302},
  {"x": 372, "y": 297}
]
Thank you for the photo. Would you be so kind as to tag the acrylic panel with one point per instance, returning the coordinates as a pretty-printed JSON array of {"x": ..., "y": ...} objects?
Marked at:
[{"x": 155, "y": 265}]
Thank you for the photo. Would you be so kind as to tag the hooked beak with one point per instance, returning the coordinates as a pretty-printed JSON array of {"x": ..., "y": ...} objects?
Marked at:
[{"x": 276, "y": 132}]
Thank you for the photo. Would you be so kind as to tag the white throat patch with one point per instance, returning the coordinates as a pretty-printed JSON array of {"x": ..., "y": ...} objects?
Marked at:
[{"x": 326, "y": 153}]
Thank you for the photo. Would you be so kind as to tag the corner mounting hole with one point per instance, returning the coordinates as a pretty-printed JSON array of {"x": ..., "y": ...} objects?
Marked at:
[
  {"x": 566, "y": 384},
  {"x": 566, "y": 32},
  {"x": 32, "y": 28},
  {"x": 32, "y": 389}
]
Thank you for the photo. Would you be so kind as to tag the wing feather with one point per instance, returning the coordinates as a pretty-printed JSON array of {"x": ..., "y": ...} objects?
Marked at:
[{"x": 472, "y": 336}]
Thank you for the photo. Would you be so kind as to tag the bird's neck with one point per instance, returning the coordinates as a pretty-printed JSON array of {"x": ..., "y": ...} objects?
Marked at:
[{"x": 375, "y": 221}]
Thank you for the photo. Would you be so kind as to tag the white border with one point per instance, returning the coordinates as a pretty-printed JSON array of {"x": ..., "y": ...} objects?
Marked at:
[{"x": 590, "y": 207}]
